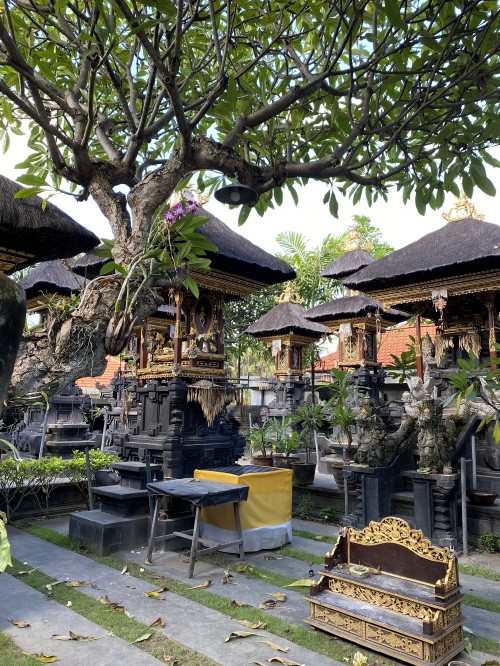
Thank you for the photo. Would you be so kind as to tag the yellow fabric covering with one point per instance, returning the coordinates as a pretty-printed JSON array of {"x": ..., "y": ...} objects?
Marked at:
[{"x": 269, "y": 499}]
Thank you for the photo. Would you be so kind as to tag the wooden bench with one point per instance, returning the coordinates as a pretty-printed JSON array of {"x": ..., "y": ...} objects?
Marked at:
[{"x": 386, "y": 587}]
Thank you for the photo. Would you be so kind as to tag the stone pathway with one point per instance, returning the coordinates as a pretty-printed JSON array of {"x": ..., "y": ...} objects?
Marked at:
[{"x": 195, "y": 626}]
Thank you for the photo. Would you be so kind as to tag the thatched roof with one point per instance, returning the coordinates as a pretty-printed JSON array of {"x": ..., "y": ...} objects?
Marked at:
[
  {"x": 240, "y": 257},
  {"x": 286, "y": 318},
  {"x": 51, "y": 277},
  {"x": 464, "y": 246},
  {"x": 348, "y": 263},
  {"x": 30, "y": 233},
  {"x": 354, "y": 307},
  {"x": 88, "y": 264}
]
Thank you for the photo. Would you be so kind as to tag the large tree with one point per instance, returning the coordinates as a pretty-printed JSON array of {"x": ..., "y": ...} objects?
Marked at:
[{"x": 365, "y": 95}]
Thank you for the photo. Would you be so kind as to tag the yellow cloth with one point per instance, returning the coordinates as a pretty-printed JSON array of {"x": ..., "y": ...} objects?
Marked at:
[{"x": 269, "y": 499}]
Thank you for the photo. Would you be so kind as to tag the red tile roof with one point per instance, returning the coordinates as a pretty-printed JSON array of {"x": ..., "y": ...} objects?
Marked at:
[
  {"x": 394, "y": 341},
  {"x": 113, "y": 364}
]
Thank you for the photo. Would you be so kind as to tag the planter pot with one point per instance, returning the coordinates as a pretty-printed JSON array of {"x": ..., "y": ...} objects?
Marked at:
[
  {"x": 481, "y": 497},
  {"x": 303, "y": 473},
  {"x": 279, "y": 460},
  {"x": 262, "y": 461}
]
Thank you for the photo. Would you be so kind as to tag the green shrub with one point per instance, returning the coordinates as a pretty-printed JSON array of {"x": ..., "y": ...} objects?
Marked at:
[
  {"x": 305, "y": 508},
  {"x": 328, "y": 514},
  {"x": 490, "y": 541}
]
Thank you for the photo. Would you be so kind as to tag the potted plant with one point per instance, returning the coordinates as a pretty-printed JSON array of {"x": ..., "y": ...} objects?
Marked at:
[
  {"x": 259, "y": 442},
  {"x": 308, "y": 418},
  {"x": 284, "y": 442}
]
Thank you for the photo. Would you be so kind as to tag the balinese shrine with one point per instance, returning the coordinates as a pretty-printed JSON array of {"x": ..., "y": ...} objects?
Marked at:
[{"x": 184, "y": 383}]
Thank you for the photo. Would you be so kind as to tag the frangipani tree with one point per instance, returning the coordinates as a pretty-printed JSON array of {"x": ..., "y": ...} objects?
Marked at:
[{"x": 138, "y": 96}]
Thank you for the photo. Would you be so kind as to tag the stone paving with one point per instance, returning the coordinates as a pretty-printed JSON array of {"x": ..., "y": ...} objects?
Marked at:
[{"x": 195, "y": 626}]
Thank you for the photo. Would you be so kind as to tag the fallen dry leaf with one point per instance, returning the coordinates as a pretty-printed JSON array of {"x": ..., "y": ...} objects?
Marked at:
[
  {"x": 51, "y": 585},
  {"x": 28, "y": 571},
  {"x": 258, "y": 663},
  {"x": 303, "y": 582},
  {"x": 142, "y": 638},
  {"x": 156, "y": 594},
  {"x": 240, "y": 604},
  {"x": 242, "y": 568},
  {"x": 239, "y": 634},
  {"x": 128, "y": 614},
  {"x": 275, "y": 646},
  {"x": 157, "y": 623},
  {"x": 112, "y": 604},
  {"x": 124, "y": 570},
  {"x": 44, "y": 658},
  {"x": 272, "y": 557},
  {"x": 252, "y": 625},
  {"x": 226, "y": 578},
  {"x": 268, "y": 603},
  {"x": 204, "y": 585},
  {"x": 279, "y": 596},
  {"x": 284, "y": 661},
  {"x": 72, "y": 636},
  {"x": 76, "y": 583},
  {"x": 19, "y": 623}
]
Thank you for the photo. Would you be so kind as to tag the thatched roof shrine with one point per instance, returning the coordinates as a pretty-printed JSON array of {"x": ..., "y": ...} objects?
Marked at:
[
  {"x": 88, "y": 264},
  {"x": 51, "y": 277},
  {"x": 354, "y": 307},
  {"x": 285, "y": 318},
  {"x": 238, "y": 258},
  {"x": 459, "y": 248},
  {"x": 30, "y": 233},
  {"x": 348, "y": 263}
]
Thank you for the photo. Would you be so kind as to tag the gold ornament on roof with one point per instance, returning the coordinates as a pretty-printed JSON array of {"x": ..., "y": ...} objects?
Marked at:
[
  {"x": 354, "y": 240},
  {"x": 289, "y": 295},
  {"x": 463, "y": 209}
]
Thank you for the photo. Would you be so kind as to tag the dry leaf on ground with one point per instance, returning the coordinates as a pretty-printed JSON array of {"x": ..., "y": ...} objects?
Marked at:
[
  {"x": 142, "y": 638},
  {"x": 51, "y": 585},
  {"x": 112, "y": 604},
  {"x": 275, "y": 646},
  {"x": 268, "y": 603},
  {"x": 240, "y": 604},
  {"x": 43, "y": 658},
  {"x": 284, "y": 661},
  {"x": 204, "y": 585},
  {"x": 28, "y": 571},
  {"x": 239, "y": 634},
  {"x": 156, "y": 594},
  {"x": 303, "y": 582},
  {"x": 19, "y": 623},
  {"x": 72, "y": 636},
  {"x": 76, "y": 583},
  {"x": 124, "y": 570},
  {"x": 157, "y": 623},
  {"x": 279, "y": 596},
  {"x": 252, "y": 625},
  {"x": 226, "y": 578},
  {"x": 272, "y": 557}
]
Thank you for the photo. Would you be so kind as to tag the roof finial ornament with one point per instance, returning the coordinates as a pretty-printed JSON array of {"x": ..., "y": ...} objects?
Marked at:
[
  {"x": 463, "y": 209},
  {"x": 289, "y": 295},
  {"x": 354, "y": 240}
]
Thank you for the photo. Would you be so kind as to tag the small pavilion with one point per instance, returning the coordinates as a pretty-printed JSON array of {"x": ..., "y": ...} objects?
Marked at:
[{"x": 450, "y": 276}]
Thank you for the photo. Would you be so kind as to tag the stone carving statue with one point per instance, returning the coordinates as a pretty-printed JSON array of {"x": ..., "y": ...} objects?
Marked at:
[
  {"x": 372, "y": 433},
  {"x": 436, "y": 437}
]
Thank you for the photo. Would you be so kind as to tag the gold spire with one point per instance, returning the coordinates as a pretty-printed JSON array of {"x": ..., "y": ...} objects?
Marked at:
[
  {"x": 289, "y": 295},
  {"x": 354, "y": 240},
  {"x": 463, "y": 209}
]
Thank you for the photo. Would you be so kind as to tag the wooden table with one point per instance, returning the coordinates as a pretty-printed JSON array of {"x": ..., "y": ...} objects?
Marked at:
[{"x": 199, "y": 493}]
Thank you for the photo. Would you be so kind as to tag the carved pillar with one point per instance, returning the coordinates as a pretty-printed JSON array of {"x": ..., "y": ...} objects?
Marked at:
[
  {"x": 178, "y": 329},
  {"x": 418, "y": 348},
  {"x": 143, "y": 347},
  {"x": 172, "y": 447},
  {"x": 492, "y": 338}
]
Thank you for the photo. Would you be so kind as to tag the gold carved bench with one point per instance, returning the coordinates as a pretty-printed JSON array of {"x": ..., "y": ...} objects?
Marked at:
[{"x": 386, "y": 587}]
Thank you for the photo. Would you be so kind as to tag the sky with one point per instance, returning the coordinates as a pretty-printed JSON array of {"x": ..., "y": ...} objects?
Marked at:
[{"x": 399, "y": 224}]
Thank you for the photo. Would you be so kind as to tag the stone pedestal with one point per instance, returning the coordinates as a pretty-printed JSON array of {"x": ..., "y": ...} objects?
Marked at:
[
  {"x": 435, "y": 506},
  {"x": 374, "y": 487}
]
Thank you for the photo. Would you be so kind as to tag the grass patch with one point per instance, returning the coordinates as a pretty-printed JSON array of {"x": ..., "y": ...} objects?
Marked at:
[
  {"x": 315, "y": 537},
  {"x": 487, "y": 645},
  {"x": 480, "y": 572},
  {"x": 300, "y": 555},
  {"x": 121, "y": 625},
  {"x": 13, "y": 655},
  {"x": 481, "y": 602}
]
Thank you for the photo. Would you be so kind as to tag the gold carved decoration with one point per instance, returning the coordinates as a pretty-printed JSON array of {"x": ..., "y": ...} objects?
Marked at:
[
  {"x": 463, "y": 209},
  {"x": 397, "y": 531},
  {"x": 289, "y": 295},
  {"x": 394, "y": 640},
  {"x": 354, "y": 240}
]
